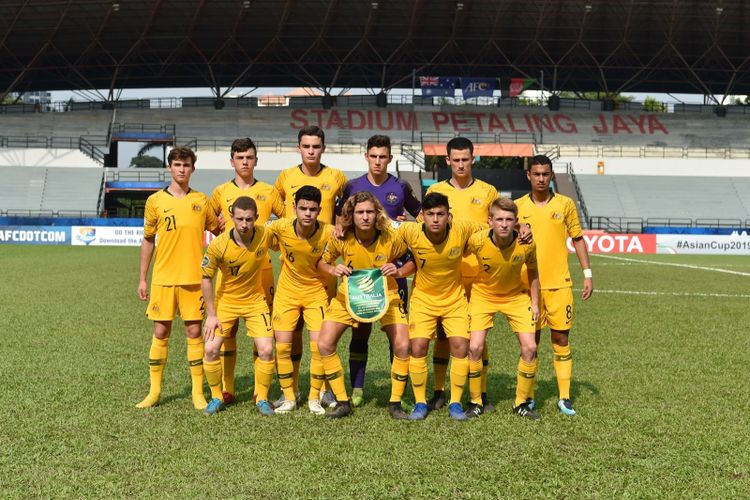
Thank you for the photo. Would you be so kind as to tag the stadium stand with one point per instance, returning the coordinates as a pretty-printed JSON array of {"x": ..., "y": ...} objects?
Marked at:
[
  {"x": 60, "y": 191},
  {"x": 663, "y": 197}
]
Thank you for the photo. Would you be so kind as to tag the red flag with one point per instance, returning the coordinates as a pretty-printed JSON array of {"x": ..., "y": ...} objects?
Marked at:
[{"x": 518, "y": 85}]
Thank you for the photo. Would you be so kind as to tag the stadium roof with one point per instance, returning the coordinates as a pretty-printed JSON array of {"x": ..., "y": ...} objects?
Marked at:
[{"x": 600, "y": 45}]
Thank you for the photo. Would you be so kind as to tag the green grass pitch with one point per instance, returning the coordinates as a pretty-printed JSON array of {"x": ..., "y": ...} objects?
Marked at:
[{"x": 660, "y": 381}]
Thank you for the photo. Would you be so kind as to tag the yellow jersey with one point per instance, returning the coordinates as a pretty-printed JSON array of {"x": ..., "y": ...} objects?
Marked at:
[
  {"x": 178, "y": 225},
  {"x": 551, "y": 225},
  {"x": 438, "y": 280},
  {"x": 471, "y": 203},
  {"x": 387, "y": 247},
  {"x": 500, "y": 268},
  {"x": 329, "y": 180},
  {"x": 265, "y": 195},
  {"x": 300, "y": 256},
  {"x": 240, "y": 267}
]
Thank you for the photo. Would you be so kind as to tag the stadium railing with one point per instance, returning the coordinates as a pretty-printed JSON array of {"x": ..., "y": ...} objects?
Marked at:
[
  {"x": 579, "y": 194},
  {"x": 651, "y": 152},
  {"x": 636, "y": 224}
]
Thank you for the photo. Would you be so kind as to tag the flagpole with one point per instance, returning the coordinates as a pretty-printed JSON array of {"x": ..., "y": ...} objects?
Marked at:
[
  {"x": 541, "y": 128},
  {"x": 413, "y": 109}
]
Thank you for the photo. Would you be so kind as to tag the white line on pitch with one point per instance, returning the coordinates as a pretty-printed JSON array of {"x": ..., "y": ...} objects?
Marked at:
[
  {"x": 673, "y": 294},
  {"x": 674, "y": 264}
]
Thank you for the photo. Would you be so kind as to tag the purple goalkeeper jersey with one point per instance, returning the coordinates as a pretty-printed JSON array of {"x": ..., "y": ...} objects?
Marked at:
[{"x": 394, "y": 194}]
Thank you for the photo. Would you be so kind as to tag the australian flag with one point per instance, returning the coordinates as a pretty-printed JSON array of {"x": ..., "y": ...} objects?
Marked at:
[
  {"x": 438, "y": 85},
  {"x": 475, "y": 87}
]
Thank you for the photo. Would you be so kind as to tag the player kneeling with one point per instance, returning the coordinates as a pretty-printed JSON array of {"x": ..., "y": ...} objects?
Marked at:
[
  {"x": 499, "y": 288},
  {"x": 368, "y": 242},
  {"x": 240, "y": 254}
]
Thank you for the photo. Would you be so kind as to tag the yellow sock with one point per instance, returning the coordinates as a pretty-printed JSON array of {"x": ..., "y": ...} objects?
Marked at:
[
  {"x": 213, "y": 377},
  {"x": 459, "y": 373},
  {"x": 475, "y": 381},
  {"x": 335, "y": 376},
  {"x": 228, "y": 357},
  {"x": 195, "y": 360},
  {"x": 418, "y": 375},
  {"x": 157, "y": 360},
  {"x": 485, "y": 366},
  {"x": 317, "y": 373},
  {"x": 399, "y": 376},
  {"x": 440, "y": 356},
  {"x": 264, "y": 371},
  {"x": 525, "y": 379},
  {"x": 563, "y": 363},
  {"x": 284, "y": 369}
]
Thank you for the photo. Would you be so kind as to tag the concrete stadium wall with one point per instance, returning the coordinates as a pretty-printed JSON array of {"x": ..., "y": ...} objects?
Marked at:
[
  {"x": 38, "y": 157},
  {"x": 357, "y": 124},
  {"x": 661, "y": 166}
]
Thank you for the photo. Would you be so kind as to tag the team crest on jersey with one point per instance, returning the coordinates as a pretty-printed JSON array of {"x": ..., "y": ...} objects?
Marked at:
[
  {"x": 197, "y": 208},
  {"x": 556, "y": 215},
  {"x": 379, "y": 258},
  {"x": 260, "y": 197},
  {"x": 455, "y": 251},
  {"x": 315, "y": 250},
  {"x": 476, "y": 201},
  {"x": 325, "y": 187},
  {"x": 517, "y": 259},
  {"x": 205, "y": 261},
  {"x": 391, "y": 198},
  {"x": 259, "y": 252}
]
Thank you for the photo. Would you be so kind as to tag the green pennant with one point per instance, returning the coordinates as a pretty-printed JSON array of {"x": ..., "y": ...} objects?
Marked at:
[{"x": 366, "y": 295}]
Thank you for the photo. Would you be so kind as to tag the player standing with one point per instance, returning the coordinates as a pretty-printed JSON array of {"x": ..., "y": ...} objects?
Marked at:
[
  {"x": 553, "y": 218},
  {"x": 369, "y": 242},
  {"x": 330, "y": 181},
  {"x": 177, "y": 216},
  {"x": 240, "y": 254},
  {"x": 500, "y": 288},
  {"x": 469, "y": 199},
  {"x": 397, "y": 197},
  {"x": 244, "y": 158},
  {"x": 300, "y": 293},
  {"x": 438, "y": 295}
]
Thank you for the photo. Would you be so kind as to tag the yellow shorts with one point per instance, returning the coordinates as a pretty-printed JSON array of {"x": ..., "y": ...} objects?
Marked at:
[
  {"x": 517, "y": 311},
  {"x": 168, "y": 301},
  {"x": 395, "y": 315},
  {"x": 424, "y": 317},
  {"x": 256, "y": 315},
  {"x": 288, "y": 306},
  {"x": 556, "y": 309}
]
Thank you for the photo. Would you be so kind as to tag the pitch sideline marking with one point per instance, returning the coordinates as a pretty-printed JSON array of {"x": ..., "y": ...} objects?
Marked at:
[
  {"x": 674, "y": 294},
  {"x": 673, "y": 264}
]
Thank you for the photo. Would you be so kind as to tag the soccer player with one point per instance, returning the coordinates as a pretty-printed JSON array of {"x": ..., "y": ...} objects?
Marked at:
[
  {"x": 240, "y": 254},
  {"x": 397, "y": 198},
  {"x": 244, "y": 158},
  {"x": 499, "y": 288},
  {"x": 177, "y": 217},
  {"x": 553, "y": 217},
  {"x": 438, "y": 295},
  {"x": 369, "y": 242},
  {"x": 300, "y": 293},
  {"x": 469, "y": 199},
  {"x": 311, "y": 172}
]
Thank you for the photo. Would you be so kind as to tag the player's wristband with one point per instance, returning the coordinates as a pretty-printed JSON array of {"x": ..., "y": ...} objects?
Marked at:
[{"x": 587, "y": 273}]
